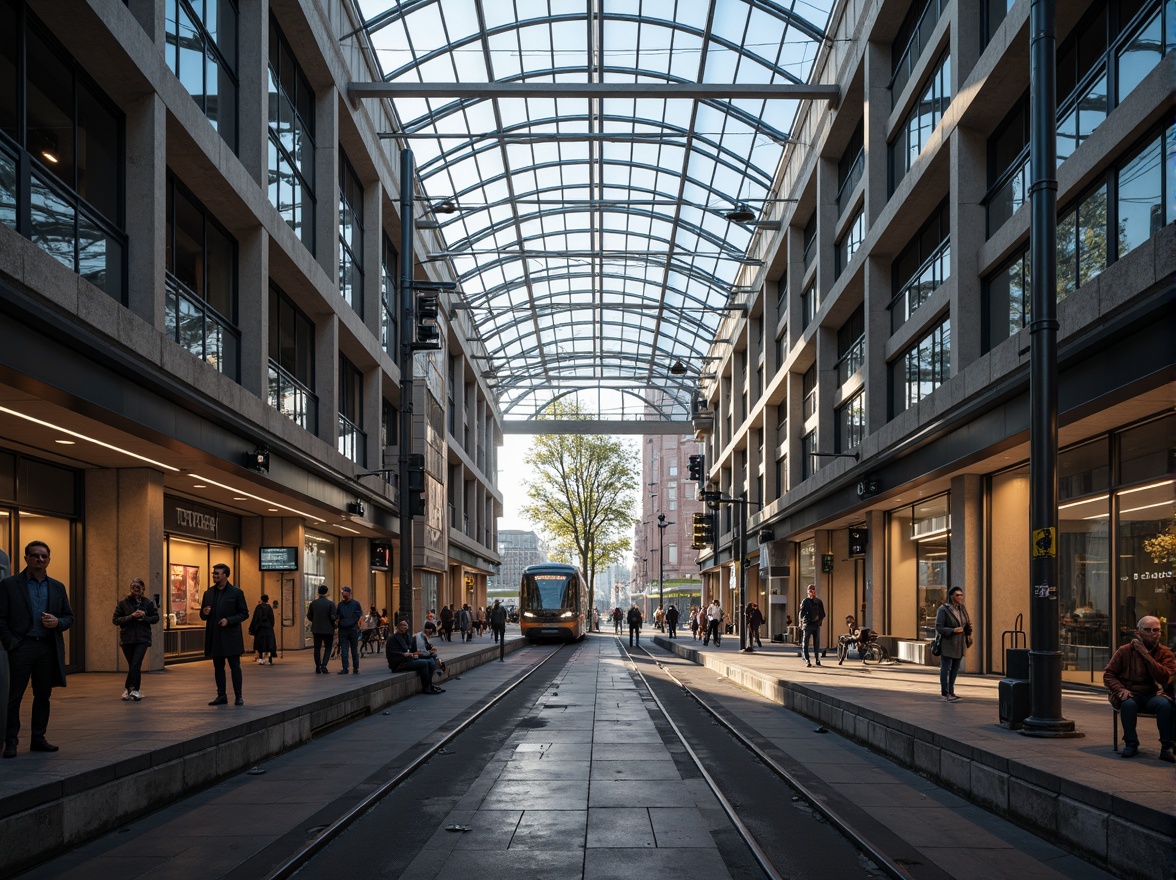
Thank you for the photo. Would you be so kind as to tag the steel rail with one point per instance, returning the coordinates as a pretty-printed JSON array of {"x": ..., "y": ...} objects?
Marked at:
[
  {"x": 744, "y": 832},
  {"x": 303, "y": 856},
  {"x": 887, "y": 864}
]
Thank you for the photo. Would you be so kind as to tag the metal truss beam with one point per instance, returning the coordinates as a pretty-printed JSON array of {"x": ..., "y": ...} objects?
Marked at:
[{"x": 696, "y": 91}]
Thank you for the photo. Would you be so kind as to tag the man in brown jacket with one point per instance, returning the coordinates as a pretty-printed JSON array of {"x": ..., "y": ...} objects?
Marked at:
[{"x": 1139, "y": 678}]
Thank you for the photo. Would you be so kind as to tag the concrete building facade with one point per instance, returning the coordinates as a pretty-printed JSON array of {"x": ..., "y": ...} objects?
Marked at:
[
  {"x": 873, "y": 397},
  {"x": 200, "y": 313}
]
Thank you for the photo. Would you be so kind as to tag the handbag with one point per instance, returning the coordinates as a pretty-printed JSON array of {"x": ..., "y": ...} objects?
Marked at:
[{"x": 937, "y": 645}]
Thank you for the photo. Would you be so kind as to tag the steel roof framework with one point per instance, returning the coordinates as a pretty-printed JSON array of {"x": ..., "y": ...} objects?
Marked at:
[{"x": 593, "y": 149}]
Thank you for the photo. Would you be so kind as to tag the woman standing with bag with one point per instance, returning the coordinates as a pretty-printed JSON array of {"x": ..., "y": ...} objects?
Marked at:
[
  {"x": 261, "y": 627},
  {"x": 954, "y": 629}
]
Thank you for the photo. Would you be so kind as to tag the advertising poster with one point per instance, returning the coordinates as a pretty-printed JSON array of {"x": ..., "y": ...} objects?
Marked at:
[{"x": 185, "y": 594}]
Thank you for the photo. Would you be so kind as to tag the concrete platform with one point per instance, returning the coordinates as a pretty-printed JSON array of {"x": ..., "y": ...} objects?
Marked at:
[
  {"x": 120, "y": 760},
  {"x": 1117, "y": 813}
]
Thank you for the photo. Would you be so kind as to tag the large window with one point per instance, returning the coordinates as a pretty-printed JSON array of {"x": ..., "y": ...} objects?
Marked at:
[
  {"x": 350, "y": 236},
  {"x": 810, "y": 303},
  {"x": 921, "y": 369},
  {"x": 202, "y": 53},
  {"x": 850, "y": 423},
  {"x": 850, "y": 167},
  {"x": 1108, "y": 54},
  {"x": 201, "y": 283},
  {"x": 912, "y": 38},
  {"x": 851, "y": 345},
  {"x": 851, "y": 240},
  {"x": 291, "y": 362},
  {"x": 921, "y": 267},
  {"x": 61, "y": 155},
  {"x": 352, "y": 439},
  {"x": 291, "y": 138},
  {"x": 1125, "y": 207},
  {"x": 915, "y": 130}
]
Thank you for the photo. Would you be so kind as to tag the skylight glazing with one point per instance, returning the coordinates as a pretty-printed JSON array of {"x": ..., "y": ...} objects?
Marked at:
[{"x": 591, "y": 241}]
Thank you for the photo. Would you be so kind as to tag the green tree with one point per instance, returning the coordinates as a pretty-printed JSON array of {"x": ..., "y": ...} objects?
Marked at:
[{"x": 582, "y": 496}]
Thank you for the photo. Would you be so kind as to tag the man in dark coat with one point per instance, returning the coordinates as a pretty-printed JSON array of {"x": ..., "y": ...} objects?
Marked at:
[
  {"x": 634, "y": 618},
  {"x": 498, "y": 621},
  {"x": 223, "y": 609},
  {"x": 321, "y": 614},
  {"x": 812, "y": 615},
  {"x": 348, "y": 614},
  {"x": 34, "y": 614},
  {"x": 672, "y": 620},
  {"x": 405, "y": 655}
]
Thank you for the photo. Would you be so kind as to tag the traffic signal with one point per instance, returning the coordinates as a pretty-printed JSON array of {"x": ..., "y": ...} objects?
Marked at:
[
  {"x": 416, "y": 484},
  {"x": 428, "y": 335},
  {"x": 711, "y": 497},
  {"x": 695, "y": 468},
  {"x": 704, "y": 531}
]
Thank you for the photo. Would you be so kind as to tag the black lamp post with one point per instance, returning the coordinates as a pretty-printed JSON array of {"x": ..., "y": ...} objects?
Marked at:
[{"x": 661, "y": 559}]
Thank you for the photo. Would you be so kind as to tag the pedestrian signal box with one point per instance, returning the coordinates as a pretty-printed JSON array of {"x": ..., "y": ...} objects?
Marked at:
[{"x": 703, "y": 534}]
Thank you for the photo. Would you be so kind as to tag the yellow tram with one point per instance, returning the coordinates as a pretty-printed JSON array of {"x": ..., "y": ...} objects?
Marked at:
[{"x": 553, "y": 602}]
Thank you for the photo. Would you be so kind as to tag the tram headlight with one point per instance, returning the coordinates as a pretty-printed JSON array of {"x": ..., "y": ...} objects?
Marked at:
[
  {"x": 528, "y": 614},
  {"x": 568, "y": 614}
]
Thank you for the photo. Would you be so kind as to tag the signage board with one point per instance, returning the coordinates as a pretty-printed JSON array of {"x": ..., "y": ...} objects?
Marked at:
[{"x": 277, "y": 558}]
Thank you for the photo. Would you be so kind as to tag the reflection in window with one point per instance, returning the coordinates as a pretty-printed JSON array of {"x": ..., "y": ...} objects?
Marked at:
[
  {"x": 202, "y": 53},
  {"x": 1084, "y": 587},
  {"x": 350, "y": 236},
  {"x": 851, "y": 423},
  {"x": 291, "y": 138},
  {"x": 915, "y": 130},
  {"x": 922, "y": 369},
  {"x": 61, "y": 176}
]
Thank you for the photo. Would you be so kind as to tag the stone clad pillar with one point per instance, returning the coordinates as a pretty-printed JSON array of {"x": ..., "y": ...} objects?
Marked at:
[{"x": 124, "y": 539}]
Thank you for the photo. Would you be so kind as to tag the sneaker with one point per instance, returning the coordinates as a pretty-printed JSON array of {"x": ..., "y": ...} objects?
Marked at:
[
  {"x": 952, "y": 698},
  {"x": 136, "y": 696},
  {"x": 809, "y": 665},
  {"x": 1130, "y": 750},
  {"x": 1166, "y": 755},
  {"x": 944, "y": 698},
  {"x": 126, "y": 694}
]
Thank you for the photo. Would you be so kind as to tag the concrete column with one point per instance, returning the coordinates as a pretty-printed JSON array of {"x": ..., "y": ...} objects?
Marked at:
[
  {"x": 253, "y": 309},
  {"x": 373, "y": 237},
  {"x": 968, "y": 233},
  {"x": 150, "y": 15},
  {"x": 877, "y": 592},
  {"x": 372, "y": 398},
  {"x": 253, "y": 88},
  {"x": 326, "y": 378},
  {"x": 326, "y": 181},
  {"x": 966, "y": 549},
  {"x": 879, "y": 104},
  {"x": 875, "y": 375},
  {"x": 146, "y": 208},
  {"x": 826, "y": 227},
  {"x": 124, "y": 539}
]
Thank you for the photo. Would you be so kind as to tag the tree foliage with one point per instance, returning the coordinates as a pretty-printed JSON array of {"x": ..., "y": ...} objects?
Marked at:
[{"x": 582, "y": 494}]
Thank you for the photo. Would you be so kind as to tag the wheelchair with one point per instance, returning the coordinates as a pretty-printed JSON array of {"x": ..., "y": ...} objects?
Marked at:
[{"x": 866, "y": 643}]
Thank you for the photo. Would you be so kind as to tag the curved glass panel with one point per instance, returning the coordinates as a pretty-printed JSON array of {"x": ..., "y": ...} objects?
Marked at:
[{"x": 591, "y": 238}]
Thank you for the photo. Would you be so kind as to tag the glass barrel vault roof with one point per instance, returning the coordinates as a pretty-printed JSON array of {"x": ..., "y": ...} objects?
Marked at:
[{"x": 590, "y": 240}]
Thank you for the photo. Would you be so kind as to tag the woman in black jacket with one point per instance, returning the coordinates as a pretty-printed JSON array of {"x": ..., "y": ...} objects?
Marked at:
[
  {"x": 261, "y": 627},
  {"x": 134, "y": 617}
]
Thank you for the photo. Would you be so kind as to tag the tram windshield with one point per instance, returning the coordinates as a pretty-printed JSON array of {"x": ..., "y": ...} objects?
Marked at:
[{"x": 548, "y": 592}]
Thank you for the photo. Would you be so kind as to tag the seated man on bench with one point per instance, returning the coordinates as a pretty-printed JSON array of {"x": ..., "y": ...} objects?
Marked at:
[{"x": 1138, "y": 677}]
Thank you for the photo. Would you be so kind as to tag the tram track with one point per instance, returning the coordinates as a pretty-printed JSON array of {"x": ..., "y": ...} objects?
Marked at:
[
  {"x": 427, "y": 751},
  {"x": 847, "y": 819}
]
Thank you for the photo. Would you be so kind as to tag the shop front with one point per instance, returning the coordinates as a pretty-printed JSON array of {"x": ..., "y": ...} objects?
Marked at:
[
  {"x": 196, "y": 537},
  {"x": 1116, "y": 541}
]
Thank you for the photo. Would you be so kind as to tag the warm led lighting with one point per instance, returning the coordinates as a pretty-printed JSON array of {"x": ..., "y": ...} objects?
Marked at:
[
  {"x": 49, "y": 157},
  {"x": 42, "y": 422},
  {"x": 271, "y": 510},
  {"x": 1101, "y": 499},
  {"x": 66, "y": 442},
  {"x": 240, "y": 498},
  {"x": 199, "y": 486},
  {"x": 1145, "y": 507},
  {"x": 1148, "y": 486},
  {"x": 344, "y": 528},
  {"x": 258, "y": 498}
]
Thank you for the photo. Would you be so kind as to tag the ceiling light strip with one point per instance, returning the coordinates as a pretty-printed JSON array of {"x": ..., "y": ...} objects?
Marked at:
[
  {"x": 42, "y": 422},
  {"x": 258, "y": 498}
]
